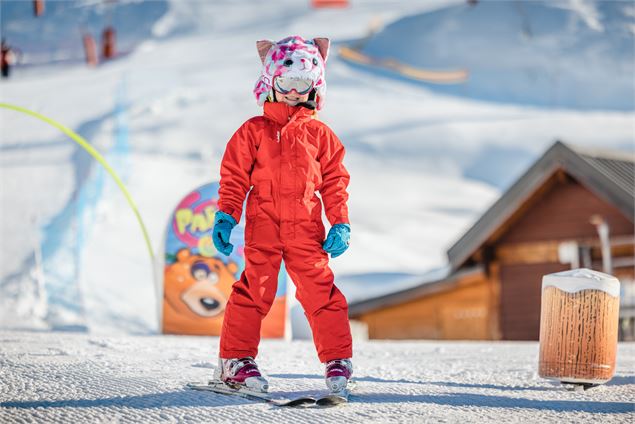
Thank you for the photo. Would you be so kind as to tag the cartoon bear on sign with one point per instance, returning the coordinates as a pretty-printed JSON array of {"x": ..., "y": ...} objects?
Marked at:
[{"x": 196, "y": 289}]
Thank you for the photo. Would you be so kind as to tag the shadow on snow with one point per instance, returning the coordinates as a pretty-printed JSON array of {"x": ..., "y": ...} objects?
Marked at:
[
  {"x": 191, "y": 399},
  {"x": 188, "y": 398}
]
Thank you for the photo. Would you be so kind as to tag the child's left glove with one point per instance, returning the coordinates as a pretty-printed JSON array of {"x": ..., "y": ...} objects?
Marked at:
[
  {"x": 337, "y": 240},
  {"x": 223, "y": 226}
]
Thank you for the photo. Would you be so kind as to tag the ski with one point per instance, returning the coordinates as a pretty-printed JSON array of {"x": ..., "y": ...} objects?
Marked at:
[
  {"x": 333, "y": 399},
  {"x": 336, "y": 398},
  {"x": 222, "y": 388},
  {"x": 323, "y": 400}
]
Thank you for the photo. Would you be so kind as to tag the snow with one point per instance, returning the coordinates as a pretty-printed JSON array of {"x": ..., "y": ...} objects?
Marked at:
[
  {"x": 573, "y": 54},
  {"x": 68, "y": 377},
  {"x": 582, "y": 279},
  {"x": 424, "y": 164}
]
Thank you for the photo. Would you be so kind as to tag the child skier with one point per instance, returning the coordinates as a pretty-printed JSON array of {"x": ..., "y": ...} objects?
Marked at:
[{"x": 284, "y": 157}]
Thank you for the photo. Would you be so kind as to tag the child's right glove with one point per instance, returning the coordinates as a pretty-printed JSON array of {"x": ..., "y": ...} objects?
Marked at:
[
  {"x": 337, "y": 240},
  {"x": 223, "y": 226}
]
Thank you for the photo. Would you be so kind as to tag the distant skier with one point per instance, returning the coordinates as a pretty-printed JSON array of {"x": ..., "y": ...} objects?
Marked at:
[
  {"x": 285, "y": 156},
  {"x": 7, "y": 59}
]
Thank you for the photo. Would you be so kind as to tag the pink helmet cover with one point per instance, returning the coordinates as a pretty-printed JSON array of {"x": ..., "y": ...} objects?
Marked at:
[{"x": 292, "y": 57}]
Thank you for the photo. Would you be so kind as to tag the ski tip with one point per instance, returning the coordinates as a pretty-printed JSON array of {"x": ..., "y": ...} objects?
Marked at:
[
  {"x": 302, "y": 401},
  {"x": 332, "y": 400}
]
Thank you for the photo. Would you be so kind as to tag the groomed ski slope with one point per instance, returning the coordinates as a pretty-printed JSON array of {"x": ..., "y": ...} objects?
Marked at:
[{"x": 78, "y": 378}]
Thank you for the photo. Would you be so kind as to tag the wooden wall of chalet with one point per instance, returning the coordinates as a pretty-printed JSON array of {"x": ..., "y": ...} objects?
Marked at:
[
  {"x": 464, "y": 311},
  {"x": 528, "y": 248}
]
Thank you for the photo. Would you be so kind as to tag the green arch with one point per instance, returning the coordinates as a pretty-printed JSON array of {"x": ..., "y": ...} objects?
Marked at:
[{"x": 95, "y": 154}]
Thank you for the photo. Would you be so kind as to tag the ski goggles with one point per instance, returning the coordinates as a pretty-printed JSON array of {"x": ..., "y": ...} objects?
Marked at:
[{"x": 287, "y": 85}]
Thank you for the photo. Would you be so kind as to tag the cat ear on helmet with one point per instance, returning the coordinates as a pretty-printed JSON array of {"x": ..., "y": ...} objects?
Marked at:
[
  {"x": 323, "y": 46},
  {"x": 263, "y": 47}
]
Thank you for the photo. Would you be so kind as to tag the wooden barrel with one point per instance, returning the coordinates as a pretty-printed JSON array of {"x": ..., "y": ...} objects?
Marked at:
[{"x": 578, "y": 326}]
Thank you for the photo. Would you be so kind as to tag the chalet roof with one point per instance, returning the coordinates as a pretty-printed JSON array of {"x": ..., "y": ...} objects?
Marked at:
[
  {"x": 425, "y": 288},
  {"x": 608, "y": 174}
]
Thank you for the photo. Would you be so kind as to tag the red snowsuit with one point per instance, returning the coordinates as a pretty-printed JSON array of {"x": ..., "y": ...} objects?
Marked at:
[{"x": 286, "y": 155}]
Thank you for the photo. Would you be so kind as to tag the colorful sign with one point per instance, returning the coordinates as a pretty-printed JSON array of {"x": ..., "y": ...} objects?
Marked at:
[{"x": 197, "y": 280}]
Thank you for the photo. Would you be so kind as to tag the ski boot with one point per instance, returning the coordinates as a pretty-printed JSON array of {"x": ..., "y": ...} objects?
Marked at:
[
  {"x": 241, "y": 373},
  {"x": 338, "y": 372}
]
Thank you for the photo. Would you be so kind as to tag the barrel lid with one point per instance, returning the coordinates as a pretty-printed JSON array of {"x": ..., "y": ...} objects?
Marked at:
[{"x": 582, "y": 279}]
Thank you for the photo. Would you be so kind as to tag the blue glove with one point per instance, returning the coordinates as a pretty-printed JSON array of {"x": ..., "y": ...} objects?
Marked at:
[
  {"x": 337, "y": 240},
  {"x": 223, "y": 226}
]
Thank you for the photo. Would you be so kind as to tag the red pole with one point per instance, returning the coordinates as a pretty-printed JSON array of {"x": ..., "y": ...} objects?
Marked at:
[
  {"x": 38, "y": 7},
  {"x": 108, "y": 42},
  {"x": 90, "y": 49}
]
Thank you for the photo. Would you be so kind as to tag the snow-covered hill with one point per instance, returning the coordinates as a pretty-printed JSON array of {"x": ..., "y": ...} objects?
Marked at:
[
  {"x": 424, "y": 165},
  {"x": 574, "y": 54},
  {"x": 63, "y": 377}
]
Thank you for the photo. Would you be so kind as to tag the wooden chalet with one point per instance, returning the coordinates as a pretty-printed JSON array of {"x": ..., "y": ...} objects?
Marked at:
[{"x": 573, "y": 208}]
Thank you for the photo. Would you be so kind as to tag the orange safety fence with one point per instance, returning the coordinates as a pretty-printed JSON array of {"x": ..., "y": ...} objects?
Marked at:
[
  {"x": 329, "y": 3},
  {"x": 419, "y": 74}
]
